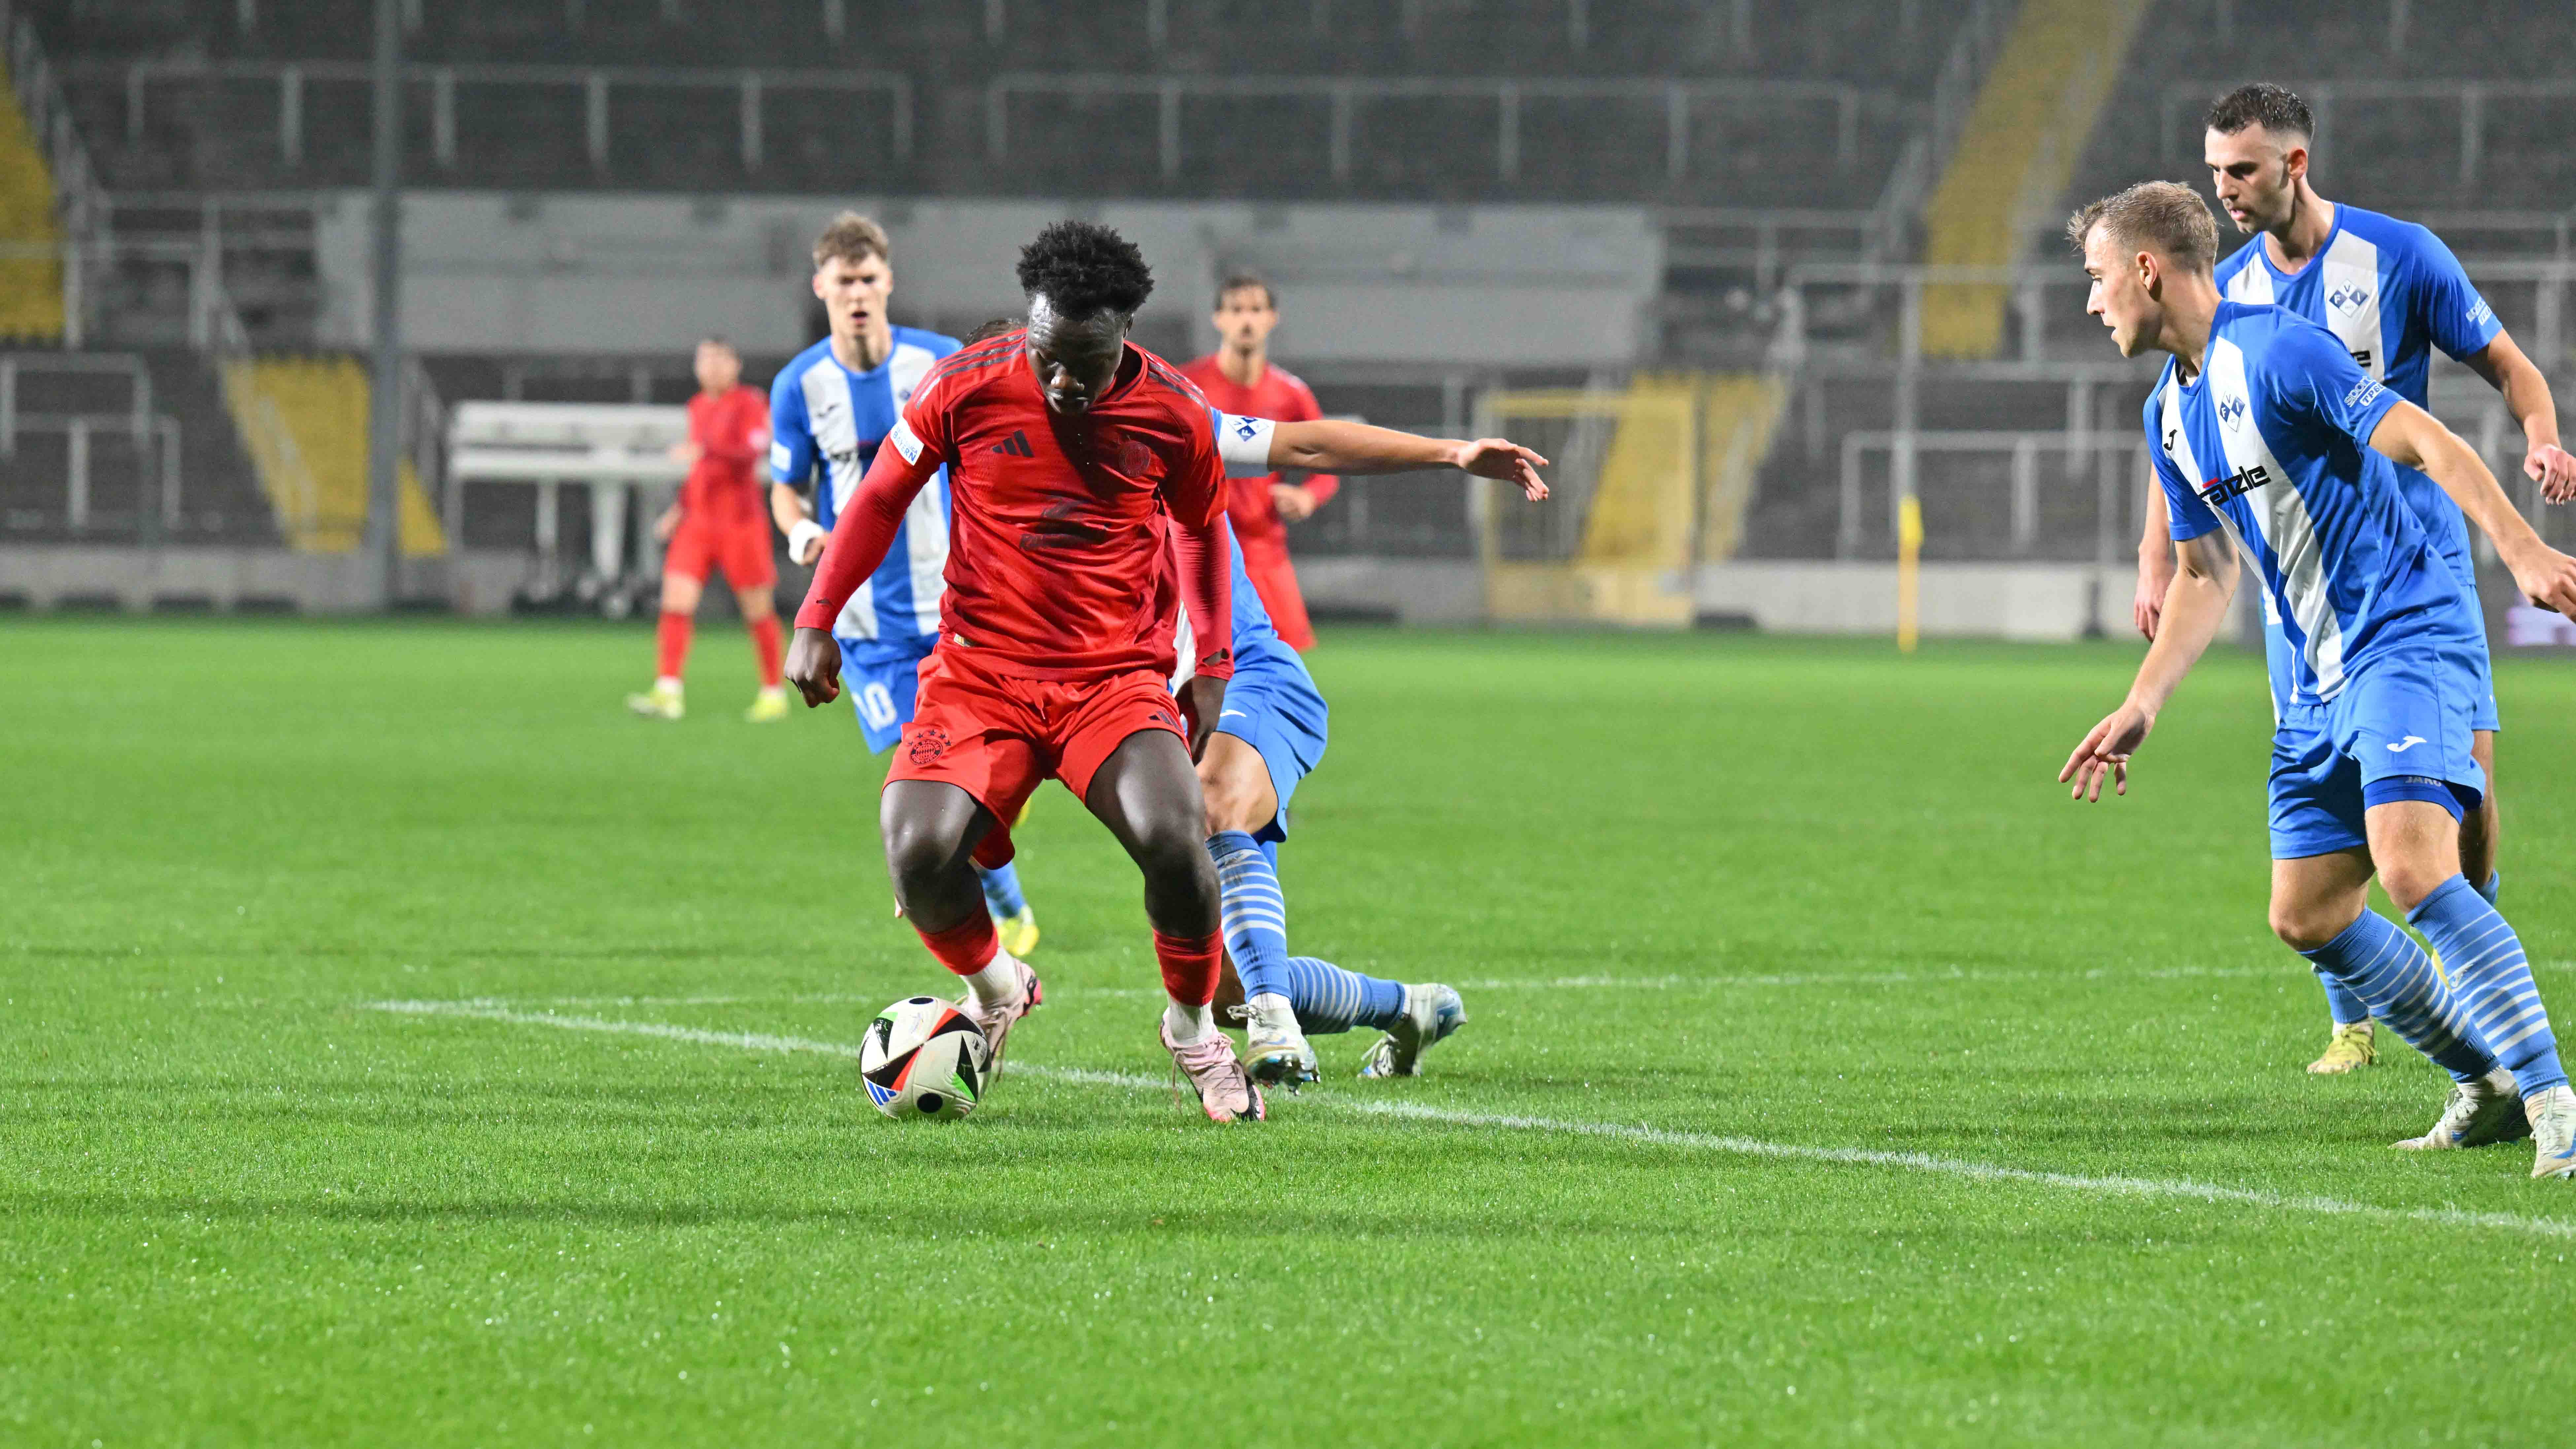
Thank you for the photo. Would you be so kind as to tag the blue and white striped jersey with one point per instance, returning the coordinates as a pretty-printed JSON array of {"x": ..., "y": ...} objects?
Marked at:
[
  {"x": 2390, "y": 292},
  {"x": 825, "y": 422},
  {"x": 2270, "y": 442}
]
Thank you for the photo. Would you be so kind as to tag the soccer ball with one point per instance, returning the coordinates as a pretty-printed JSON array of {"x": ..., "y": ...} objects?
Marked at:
[{"x": 922, "y": 1057}]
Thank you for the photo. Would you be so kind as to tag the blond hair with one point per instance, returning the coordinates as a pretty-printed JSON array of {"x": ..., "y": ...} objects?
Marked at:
[
  {"x": 852, "y": 238},
  {"x": 2159, "y": 216}
]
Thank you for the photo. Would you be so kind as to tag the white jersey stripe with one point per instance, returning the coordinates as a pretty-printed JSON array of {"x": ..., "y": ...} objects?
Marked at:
[
  {"x": 2352, "y": 301},
  {"x": 2282, "y": 514}
]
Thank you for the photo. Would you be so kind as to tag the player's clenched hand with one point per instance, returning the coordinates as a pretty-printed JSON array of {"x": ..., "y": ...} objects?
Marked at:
[
  {"x": 2545, "y": 576},
  {"x": 2554, "y": 469},
  {"x": 2105, "y": 753},
  {"x": 1202, "y": 700},
  {"x": 1504, "y": 459},
  {"x": 814, "y": 666}
]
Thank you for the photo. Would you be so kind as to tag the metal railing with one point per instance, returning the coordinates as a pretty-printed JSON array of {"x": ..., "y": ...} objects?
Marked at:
[
  {"x": 2108, "y": 456},
  {"x": 595, "y": 83},
  {"x": 156, "y": 446},
  {"x": 2325, "y": 97},
  {"x": 1345, "y": 94}
]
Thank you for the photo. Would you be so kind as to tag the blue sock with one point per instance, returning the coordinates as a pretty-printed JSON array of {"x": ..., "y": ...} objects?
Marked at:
[
  {"x": 1252, "y": 912},
  {"x": 2495, "y": 883},
  {"x": 1002, "y": 890},
  {"x": 1329, "y": 999},
  {"x": 2342, "y": 1000},
  {"x": 2382, "y": 966},
  {"x": 2492, "y": 981}
]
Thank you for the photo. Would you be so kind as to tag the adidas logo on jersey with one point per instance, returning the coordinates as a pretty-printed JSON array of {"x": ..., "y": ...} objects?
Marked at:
[{"x": 1016, "y": 446}]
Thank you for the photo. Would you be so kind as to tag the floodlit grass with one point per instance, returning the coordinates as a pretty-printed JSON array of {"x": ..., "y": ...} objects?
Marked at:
[{"x": 1758, "y": 896}]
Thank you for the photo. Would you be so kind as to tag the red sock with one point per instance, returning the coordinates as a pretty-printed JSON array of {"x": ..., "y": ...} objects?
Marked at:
[
  {"x": 970, "y": 945},
  {"x": 765, "y": 642},
  {"x": 674, "y": 645},
  {"x": 1190, "y": 965}
]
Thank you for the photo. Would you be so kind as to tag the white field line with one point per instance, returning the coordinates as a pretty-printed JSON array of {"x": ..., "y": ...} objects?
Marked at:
[
  {"x": 2129, "y": 1187},
  {"x": 1543, "y": 983}
]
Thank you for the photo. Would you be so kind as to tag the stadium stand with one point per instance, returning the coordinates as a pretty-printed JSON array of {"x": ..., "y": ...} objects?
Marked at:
[{"x": 304, "y": 421}]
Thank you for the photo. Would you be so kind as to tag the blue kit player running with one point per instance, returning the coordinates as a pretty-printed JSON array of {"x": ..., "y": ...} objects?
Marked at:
[
  {"x": 2270, "y": 440},
  {"x": 828, "y": 411},
  {"x": 1271, "y": 735},
  {"x": 2390, "y": 292}
]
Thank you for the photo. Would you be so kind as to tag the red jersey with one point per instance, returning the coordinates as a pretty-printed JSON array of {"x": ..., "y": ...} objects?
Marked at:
[
  {"x": 731, "y": 430},
  {"x": 1280, "y": 396},
  {"x": 1056, "y": 524}
]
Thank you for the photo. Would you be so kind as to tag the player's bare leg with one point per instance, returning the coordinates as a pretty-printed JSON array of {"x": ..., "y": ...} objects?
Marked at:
[
  {"x": 2482, "y": 833},
  {"x": 680, "y": 595},
  {"x": 1148, "y": 795},
  {"x": 760, "y": 618},
  {"x": 931, "y": 829}
]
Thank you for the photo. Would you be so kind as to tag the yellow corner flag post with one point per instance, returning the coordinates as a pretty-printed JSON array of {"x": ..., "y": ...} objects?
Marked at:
[{"x": 1909, "y": 559}]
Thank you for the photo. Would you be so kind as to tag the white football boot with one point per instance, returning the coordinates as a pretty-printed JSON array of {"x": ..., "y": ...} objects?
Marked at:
[
  {"x": 1431, "y": 1013},
  {"x": 2487, "y": 1110},
  {"x": 2553, "y": 1132},
  {"x": 998, "y": 1019},
  {"x": 1275, "y": 1050},
  {"x": 1210, "y": 1067}
]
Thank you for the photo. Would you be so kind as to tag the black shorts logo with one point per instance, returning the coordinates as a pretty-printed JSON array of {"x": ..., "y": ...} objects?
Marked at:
[{"x": 926, "y": 745}]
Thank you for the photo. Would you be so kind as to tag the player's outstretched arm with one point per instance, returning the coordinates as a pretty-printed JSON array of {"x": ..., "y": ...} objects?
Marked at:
[
  {"x": 1330, "y": 445},
  {"x": 2195, "y": 608},
  {"x": 860, "y": 538},
  {"x": 2155, "y": 564},
  {"x": 2526, "y": 395},
  {"x": 2416, "y": 438}
]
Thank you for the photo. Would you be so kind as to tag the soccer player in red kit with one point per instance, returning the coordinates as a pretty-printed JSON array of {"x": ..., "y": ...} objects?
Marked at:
[
  {"x": 721, "y": 520},
  {"x": 1069, "y": 451},
  {"x": 1239, "y": 378}
]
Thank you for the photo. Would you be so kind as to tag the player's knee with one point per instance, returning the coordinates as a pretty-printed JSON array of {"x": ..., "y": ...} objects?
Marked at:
[
  {"x": 1175, "y": 853},
  {"x": 1229, "y": 804},
  {"x": 917, "y": 851},
  {"x": 2305, "y": 925},
  {"x": 2409, "y": 882}
]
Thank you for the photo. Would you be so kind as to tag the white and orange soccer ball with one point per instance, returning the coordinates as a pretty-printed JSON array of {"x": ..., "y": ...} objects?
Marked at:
[{"x": 922, "y": 1057}]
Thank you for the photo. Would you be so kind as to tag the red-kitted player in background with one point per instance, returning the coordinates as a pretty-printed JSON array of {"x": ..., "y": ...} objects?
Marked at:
[
  {"x": 1070, "y": 452},
  {"x": 1239, "y": 378},
  {"x": 721, "y": 520}
]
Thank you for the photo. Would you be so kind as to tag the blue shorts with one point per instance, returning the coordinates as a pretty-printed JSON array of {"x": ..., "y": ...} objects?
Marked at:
[
  {"x": 1274, "y": 707},
  {"x": 2400, "y": 729},
  {"x": 879, "y": 676}
]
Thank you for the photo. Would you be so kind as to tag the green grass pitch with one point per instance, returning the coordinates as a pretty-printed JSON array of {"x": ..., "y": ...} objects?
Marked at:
[{"x": 1831, "y": 1078}]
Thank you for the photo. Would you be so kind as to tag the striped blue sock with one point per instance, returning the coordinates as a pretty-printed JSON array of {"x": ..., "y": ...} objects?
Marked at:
[
  {"x": 2342, "y": 1000},
  {"x": 1329, "y": 999},
  {"x": 1002, "y": 890},
  {"x": 2382, "y": 966},
  {"x": 1252, "y": 912},
  {"x": 2492, "y": 981}
]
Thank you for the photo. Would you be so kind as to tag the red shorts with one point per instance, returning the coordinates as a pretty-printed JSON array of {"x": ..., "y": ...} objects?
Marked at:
[
  {"x": 739, "y": 546},
  {"x": 1275, "y": 580},
  {"x": 998, "y": 737}
]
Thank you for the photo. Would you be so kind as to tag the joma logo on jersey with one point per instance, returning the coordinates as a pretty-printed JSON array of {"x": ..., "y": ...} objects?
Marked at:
[
  {"x": 2231, "y": 410},
  {"x": 2235, "y": 485},
  {"x": 2350, "y": 297}
]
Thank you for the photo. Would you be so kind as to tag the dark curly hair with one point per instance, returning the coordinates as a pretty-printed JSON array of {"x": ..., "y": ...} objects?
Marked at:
[{"x": 1083, "y": 267}]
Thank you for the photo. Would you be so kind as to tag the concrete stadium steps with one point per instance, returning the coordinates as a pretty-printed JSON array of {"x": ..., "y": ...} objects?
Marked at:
[
  {"x": 304, "y": 421},
  {"x": 2400, "y": 156},
  {"x": 219, "y": 498},
  {"x": 31, "y": 287},
  {"x": 2033, "y": 115}
]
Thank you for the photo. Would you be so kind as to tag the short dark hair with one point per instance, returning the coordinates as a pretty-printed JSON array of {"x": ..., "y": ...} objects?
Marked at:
[
  {"x": 718, "y": 339},
  {"x": 2274, "y": 108},
  {"x": 2164, "y": 216},
  {"x": 990, "y": 330},
  {"x": 852, "y": 238},
  {"x": 1244, "y": 279},
  {"x": 1082, "y": 267}
]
